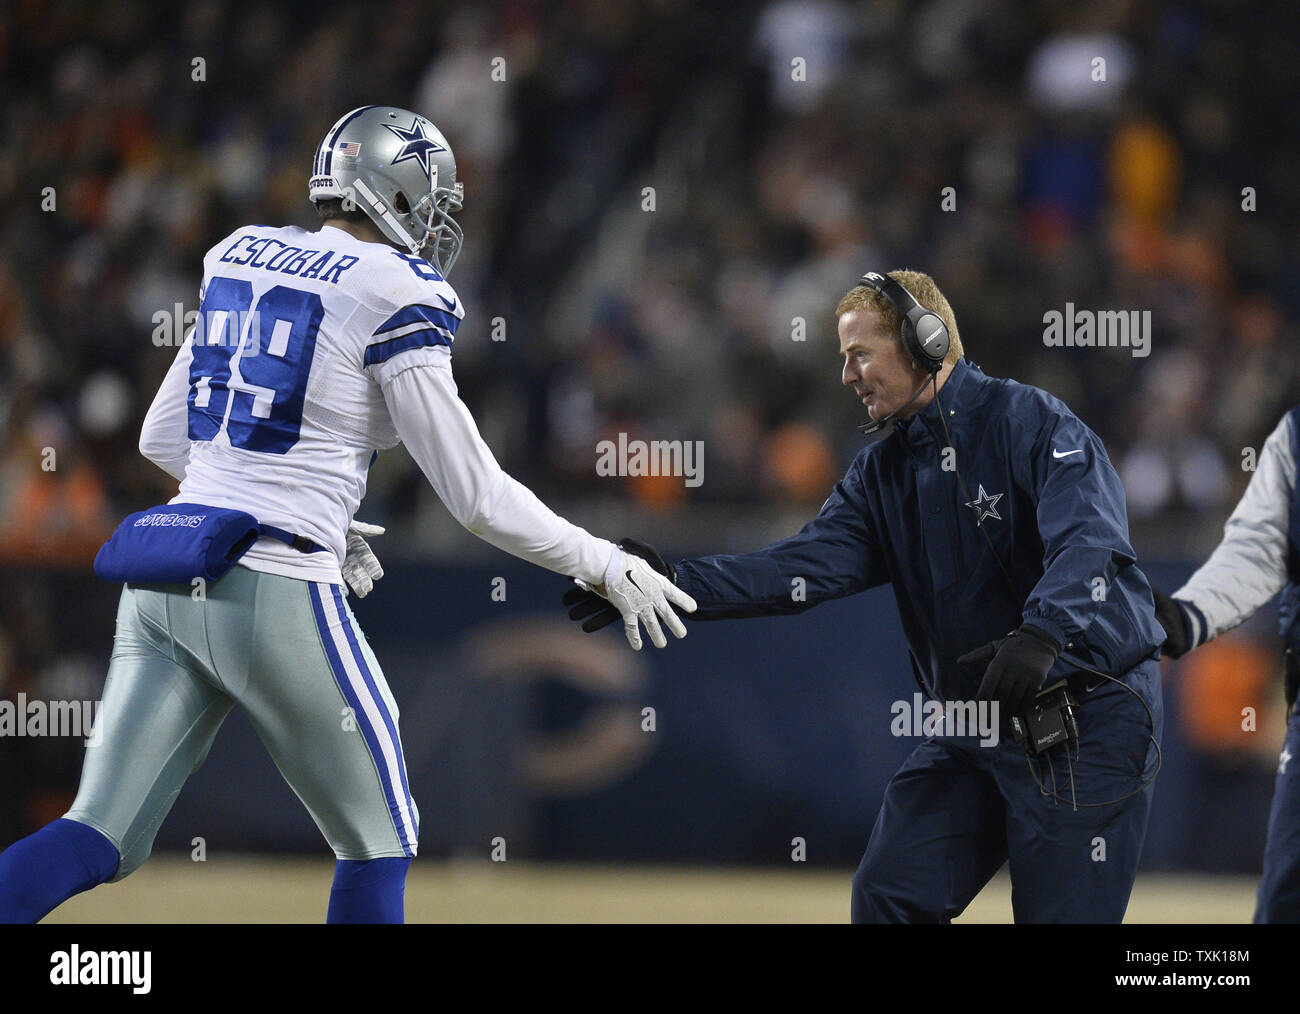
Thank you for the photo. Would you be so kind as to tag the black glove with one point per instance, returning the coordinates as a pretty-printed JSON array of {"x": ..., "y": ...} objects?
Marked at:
[
  {"x": 597, "y": 610},
  {"x": 1017, "y": 666},
  {"x": 1178, "y": 642}
]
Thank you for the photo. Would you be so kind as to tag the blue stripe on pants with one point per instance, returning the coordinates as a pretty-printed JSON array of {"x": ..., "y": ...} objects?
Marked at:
[
  {"x": 374, "y": 691},
  {"x": 368, "y": 730}
]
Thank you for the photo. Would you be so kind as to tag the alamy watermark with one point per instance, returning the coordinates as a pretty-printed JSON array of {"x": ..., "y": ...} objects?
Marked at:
[
  {"x": 651, "y": 457},
  {"x": 1122, "y": 329},
  {"x": 921, "y": 717},
  {"x": 36, "y": 717},
  {"x": 77, "y": 967}
]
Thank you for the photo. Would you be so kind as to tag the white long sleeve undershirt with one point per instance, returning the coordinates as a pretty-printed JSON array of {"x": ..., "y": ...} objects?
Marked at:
[{"x": 441, "y": 435}]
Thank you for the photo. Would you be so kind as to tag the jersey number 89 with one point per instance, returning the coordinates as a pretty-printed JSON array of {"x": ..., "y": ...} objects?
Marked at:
[{"x": 248, "y": 374}]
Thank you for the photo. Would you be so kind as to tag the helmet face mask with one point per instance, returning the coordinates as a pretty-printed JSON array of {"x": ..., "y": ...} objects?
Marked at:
[
  {"x": 442, "y": 233},
  {"x": 397, "y": 167}
]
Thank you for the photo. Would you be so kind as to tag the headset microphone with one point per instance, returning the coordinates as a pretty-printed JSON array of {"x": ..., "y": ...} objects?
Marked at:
[{"x": 868, "y": 428}]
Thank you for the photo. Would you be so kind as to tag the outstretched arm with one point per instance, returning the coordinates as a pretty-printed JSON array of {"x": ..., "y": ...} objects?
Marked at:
[
  {"x": 444, "y": 440},
  {"x": 833, "y": 555}
]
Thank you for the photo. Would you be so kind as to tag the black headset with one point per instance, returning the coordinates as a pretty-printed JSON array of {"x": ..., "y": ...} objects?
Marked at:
[{"x": 924, "y": 334}]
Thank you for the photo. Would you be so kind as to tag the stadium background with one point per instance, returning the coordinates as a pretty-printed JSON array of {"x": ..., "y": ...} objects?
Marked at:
[{"x": 771, "y": 195}]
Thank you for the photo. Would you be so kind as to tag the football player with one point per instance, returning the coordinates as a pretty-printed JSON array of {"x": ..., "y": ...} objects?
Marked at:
[{"x": 313, "y": 350}]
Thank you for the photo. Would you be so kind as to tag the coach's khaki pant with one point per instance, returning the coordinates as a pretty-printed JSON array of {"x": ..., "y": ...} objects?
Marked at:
[{"x": 290, "y": 654}]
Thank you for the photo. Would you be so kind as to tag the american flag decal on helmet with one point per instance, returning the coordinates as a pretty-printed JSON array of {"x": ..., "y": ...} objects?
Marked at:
[{"x": 348, "y": 149}]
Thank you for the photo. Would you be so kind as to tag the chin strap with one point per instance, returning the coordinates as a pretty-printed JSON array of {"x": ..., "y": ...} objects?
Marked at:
[{"x": 381, "y": 209}]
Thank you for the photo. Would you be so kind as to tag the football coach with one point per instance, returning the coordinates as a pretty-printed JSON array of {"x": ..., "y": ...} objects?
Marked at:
[{"x": 1000, "y": 522}]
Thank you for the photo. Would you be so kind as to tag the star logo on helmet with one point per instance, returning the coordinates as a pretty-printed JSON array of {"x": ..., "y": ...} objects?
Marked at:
[{"x": 415, "y": 145}]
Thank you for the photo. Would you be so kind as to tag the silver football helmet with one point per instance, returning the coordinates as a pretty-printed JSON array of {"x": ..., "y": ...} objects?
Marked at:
[{"x": 397, "y": 167}]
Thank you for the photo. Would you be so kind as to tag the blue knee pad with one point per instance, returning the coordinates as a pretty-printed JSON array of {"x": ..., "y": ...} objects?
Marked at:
[
  {"x": 369, "y": 890},
  {"x": 42, "y": 871}
]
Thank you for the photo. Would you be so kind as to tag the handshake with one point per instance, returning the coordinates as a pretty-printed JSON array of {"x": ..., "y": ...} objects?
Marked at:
[{"x": 639, "y": 587}]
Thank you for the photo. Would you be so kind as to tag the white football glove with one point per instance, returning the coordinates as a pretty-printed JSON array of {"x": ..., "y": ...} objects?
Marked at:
[
  {"x": 360, "y": 565},
  {"x": 643, "y": 595}
]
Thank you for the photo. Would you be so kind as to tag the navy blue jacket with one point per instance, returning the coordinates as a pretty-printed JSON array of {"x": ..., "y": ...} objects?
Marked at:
[{"x": 1052, "y": 505}]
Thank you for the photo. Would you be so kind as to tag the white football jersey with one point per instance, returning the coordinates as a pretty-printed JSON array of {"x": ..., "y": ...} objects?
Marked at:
[
  {"x": 312, "y": 351},
  {"x": 285, "y": 411}
]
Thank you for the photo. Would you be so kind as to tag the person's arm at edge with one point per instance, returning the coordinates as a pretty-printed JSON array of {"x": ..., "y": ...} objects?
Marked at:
[{"x": 1248, "y": 567}]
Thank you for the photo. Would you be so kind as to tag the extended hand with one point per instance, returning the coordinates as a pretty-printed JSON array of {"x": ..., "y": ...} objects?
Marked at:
[
  {"x": 585, "y": 604},
  {"x": 641, "y": 595},
  {"x": 360, "y": 565}
]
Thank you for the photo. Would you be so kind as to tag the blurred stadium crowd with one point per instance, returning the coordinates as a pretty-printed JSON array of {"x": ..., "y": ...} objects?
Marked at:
[
  {"x": 774, "y": 186},
  {"x": 664, "y": 201}
]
